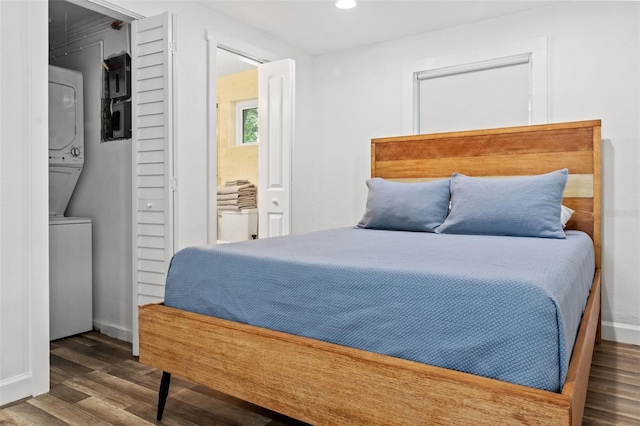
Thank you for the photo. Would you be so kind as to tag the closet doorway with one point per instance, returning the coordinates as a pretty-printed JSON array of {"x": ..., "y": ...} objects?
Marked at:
[{"x": 82, "y": 40}]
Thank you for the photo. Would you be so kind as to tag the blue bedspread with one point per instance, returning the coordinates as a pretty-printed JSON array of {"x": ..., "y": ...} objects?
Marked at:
[{"x": 500, "y": 307}]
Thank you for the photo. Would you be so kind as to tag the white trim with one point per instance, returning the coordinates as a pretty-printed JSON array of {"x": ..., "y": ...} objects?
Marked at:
[
  {"x": 212, "y": 140},
  {"x": 244, "y": 57},
  {"x": 241, "y": 47},
  {"x": 15, "y": 388},
  {"x": 108, "y": 8},
  {"x": 174, "y": 235},
  {"x": 622, "y": 333},
  {"x": 239, "y": 128},
  {"x": 113, "y": 330},
  {"x": 474, "y": 66},
  {"x": 37, "y": 207},
  {"x": 536, "y": 48}
]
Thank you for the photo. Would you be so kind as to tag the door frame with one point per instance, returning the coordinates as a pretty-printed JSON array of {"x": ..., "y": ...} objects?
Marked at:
[{"x": 108, "y": 8}]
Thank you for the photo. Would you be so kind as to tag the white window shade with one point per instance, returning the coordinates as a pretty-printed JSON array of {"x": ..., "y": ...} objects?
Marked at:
[
  {"x": 479, "y": 88},
  {"x": 487, "y": 94}
]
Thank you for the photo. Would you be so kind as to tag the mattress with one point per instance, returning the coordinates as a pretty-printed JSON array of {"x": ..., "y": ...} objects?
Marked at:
[{"x": 507, "y": 308}]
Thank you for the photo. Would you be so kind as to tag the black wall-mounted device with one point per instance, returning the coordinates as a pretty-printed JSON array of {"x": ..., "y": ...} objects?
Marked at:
[
  {"x": 119, "y": 76},
  {"x": 117, "y": 105},
  {"x": 121, "y": 120}
]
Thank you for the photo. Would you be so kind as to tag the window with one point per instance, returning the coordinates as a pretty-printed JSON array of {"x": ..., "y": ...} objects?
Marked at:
[
  {"x": 247, "y": 123},
  {"x": 493, "y": 93},
  {"x": 494, "y": 87}
]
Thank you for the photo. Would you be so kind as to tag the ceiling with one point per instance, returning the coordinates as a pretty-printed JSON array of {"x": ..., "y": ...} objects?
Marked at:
[
  {"x": 318, "y": 27},
  {"x": 67, "y": 18},
  {"x": 63, "y": 14}
]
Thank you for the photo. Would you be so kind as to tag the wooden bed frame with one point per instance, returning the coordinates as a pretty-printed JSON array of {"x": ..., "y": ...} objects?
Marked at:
[{"x": 322, "y": 383}]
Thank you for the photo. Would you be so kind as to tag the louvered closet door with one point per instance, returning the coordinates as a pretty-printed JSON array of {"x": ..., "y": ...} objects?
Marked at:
[{"x": 153, "y": 242}]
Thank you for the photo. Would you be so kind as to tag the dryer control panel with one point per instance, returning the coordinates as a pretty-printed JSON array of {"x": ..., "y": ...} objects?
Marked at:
[{"x": 74, "y": 155}]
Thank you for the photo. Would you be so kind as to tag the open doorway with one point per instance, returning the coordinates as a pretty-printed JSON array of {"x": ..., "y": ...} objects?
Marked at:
[
  {"x": 82, "y": 40},
  {"x": 237, "y": 139},
  {"x": 276, "y": 98}
]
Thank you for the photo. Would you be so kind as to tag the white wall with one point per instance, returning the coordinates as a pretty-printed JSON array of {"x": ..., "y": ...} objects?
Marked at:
[
  {"x": 593, "y": 72},
  {"x": 103, "y": 193},
  {"x": 24, "y": 233},
  {"x": 24, "y": 257},
  {"x": 193, "y": 20}
]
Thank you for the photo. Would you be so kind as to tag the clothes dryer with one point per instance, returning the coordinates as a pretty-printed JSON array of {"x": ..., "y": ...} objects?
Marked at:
[
  {"x": 70, "y": 245},
  {"x": 66, "y": 136}
]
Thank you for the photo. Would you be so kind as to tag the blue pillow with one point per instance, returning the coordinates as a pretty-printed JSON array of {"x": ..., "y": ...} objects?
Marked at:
[
  {"x": 527, "y": 206},
  {"x": 404, "y": 206}
]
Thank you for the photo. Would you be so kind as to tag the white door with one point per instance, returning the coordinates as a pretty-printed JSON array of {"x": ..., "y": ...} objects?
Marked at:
[
  {"x": 276, "y": 107},
  {"x": 152, "y": 49}
]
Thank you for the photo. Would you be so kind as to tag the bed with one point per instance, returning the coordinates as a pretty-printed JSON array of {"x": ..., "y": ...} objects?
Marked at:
[{"x": 322, "y": 382}]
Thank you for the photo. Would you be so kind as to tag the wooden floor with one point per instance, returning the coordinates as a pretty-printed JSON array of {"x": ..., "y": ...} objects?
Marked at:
[
  {"x": 96, "y": 381},
  {"x": 614, "y": 385}
]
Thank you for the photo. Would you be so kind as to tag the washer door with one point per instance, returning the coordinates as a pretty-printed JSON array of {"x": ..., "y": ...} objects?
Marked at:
[
  {"x": 62, "y": 115},
  {"x": 66, "y": 117}
]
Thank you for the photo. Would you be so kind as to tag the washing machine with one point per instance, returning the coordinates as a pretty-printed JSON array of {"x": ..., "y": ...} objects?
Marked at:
[
  {"x": 70, "y": 246},
  {"x": 70, "y": 276}
]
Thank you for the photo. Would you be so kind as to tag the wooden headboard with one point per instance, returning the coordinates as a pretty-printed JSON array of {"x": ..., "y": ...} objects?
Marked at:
[{"x": 511, "y": 151}]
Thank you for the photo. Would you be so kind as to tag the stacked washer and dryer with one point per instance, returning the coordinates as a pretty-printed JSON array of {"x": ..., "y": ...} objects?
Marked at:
[{"x": 70, "y": 248}]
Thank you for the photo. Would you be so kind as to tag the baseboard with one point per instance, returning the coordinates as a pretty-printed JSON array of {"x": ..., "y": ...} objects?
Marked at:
[
  {"x": 622, "y": 333},
  {"x": 113, "y": 331},
  {"x": 15, "y": 388}
]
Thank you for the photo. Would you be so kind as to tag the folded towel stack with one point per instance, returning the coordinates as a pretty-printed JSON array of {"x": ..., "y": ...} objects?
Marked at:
[{"x": 237, "y": 195}]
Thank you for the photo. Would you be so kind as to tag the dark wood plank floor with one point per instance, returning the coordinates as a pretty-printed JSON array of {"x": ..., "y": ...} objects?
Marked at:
[
  {"x": 96, "y": 381},
  {"x": 614, "y": 386}
]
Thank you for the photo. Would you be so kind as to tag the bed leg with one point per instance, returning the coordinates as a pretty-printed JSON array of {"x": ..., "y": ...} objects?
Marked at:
[{"x": 163, "y": 393}]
